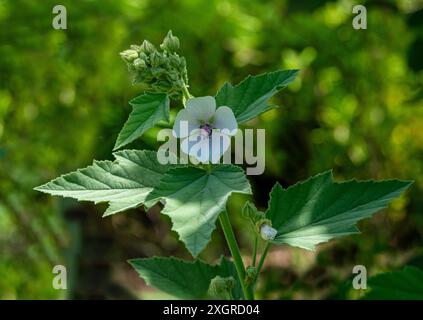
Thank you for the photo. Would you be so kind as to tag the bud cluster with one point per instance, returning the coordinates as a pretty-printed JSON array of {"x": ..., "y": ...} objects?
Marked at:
[{"x": 158, "y": 70}]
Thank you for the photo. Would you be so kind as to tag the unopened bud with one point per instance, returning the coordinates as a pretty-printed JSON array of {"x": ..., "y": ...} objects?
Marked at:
[
  {"x": 250, "y": 274},
  {"x": 139, "y": 64},
  {"x": 135, "y": 47},
  {"x": 129, "y": 55},
  {"x": 221, "y": 287},
  {"x": 170, "y": 42},
  {"x": 249, "y": 210},
  {"x": 175, "y": 60},
  {"x": 143, "y": 56},
  {"x": 267, "y": 232},
  {"x": 156, "y": 59},
  {"x": 147, "y": 47},
  {"x": 182, "y": 63}
]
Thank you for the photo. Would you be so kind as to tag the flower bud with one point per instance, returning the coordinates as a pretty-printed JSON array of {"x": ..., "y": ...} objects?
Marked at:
[
  {"x": 129, "y": 55},
  {"x": 174, "y": 60},
  {"x": 143, "y": 56},
  {"x": 249, "y": 210},
  {"x": 250, "y": 274},
  {"x": 135, "y": 47},
  {"x": 267, "y": 232},
  {"x": 182, "y": 63},
  {"x": 170, "y": 42},
  {"x": 156, "y": 59},
  {"x": 221, "y": 287},
  {"x": 147, "y": 47},
  {"x": 139, "y": 64}
]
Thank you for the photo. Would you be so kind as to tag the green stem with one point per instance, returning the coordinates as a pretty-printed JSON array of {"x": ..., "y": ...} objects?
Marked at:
[
  {"x": 255, "y": 250},
  {"x": 185, "y": 93},
  {"x": 236, "y": 255},
  {"x": 262, "y": 258}
]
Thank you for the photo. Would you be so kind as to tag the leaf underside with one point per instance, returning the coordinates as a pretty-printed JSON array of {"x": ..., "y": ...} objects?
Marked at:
[
  {"x": 194, "y": 197},
  {"x": 250, "y": 97},
  {"x": 184, "y": 279},
  {"x": 320, "y": 209},
  {"x": 124, "y": 183}
]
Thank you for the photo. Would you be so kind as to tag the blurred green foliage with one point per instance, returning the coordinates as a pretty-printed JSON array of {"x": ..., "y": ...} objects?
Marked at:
[{"x": 356, "y": 107}]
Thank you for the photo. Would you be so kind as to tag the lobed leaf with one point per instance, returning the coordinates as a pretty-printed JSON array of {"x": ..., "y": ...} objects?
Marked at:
[
  {"x": 194, "y": 197},
  {"x": 250, "y": 97},
  {"x": 320, "y": 209},
  {"x": 147, "y": 110},
  {"x": 124, "y": 183}
]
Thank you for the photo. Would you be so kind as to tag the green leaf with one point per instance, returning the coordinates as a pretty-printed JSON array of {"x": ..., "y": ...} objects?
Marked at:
[
  {"x": 147, "y": 110},
  {"x": 184, "y": 279},
  {"x": 249, "y": 98},
  {"x": 194, "y": 197},
  {"x": 406, "y": 284},
  {"x": 124, "y": 183},
  {"x": 320, "y": 209}
]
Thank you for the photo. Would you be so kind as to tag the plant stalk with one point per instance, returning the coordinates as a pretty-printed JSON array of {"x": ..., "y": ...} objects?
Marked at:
[
  {"x": 236, "y": 255},
  {"x": 255, "y": 251},
  {"x": 185, "y": 93},
  {"x": 262, "y": 258}
]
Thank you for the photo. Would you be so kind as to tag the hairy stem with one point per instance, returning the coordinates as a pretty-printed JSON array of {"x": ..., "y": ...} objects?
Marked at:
[{"x": 236, "y": 255}]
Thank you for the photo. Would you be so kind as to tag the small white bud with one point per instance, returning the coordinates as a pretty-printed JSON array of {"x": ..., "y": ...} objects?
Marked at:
[{"x": 267, "y": 232}]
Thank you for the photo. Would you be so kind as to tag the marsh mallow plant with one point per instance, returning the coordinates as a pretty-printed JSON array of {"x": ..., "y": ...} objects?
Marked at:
[{"x": 194, "y": 195}]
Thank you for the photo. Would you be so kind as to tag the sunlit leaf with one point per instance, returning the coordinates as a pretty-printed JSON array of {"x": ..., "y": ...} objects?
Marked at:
[
  {"x": 147, "y": 110},
  {"x": 320, "y": 209},
  {"x": 250, "y": 97},
  {"x": 124, "y": 183},
  {"x": 194, "y": 197}
]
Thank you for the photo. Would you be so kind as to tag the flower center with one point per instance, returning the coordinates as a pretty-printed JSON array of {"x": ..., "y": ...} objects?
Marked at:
[{"x": 207, "y": 127}]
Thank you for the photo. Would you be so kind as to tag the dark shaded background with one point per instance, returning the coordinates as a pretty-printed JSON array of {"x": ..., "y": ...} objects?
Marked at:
[{"x": 356, "y": 107}]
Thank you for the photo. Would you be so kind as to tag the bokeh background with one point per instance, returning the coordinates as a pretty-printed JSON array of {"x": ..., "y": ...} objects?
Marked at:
[{"x": 356, "y": 107}]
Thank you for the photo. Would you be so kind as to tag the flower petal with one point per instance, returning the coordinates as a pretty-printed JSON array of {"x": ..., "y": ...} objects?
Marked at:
[
  {"x": 201, "y": 108},
  {"x": 224, "y": 119},
  {"x": 219, "y": 143},
  {"x": 205, "y": 148},
  {"x": 197, "y": 145},
  {"x": 184, "y": 124}
]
